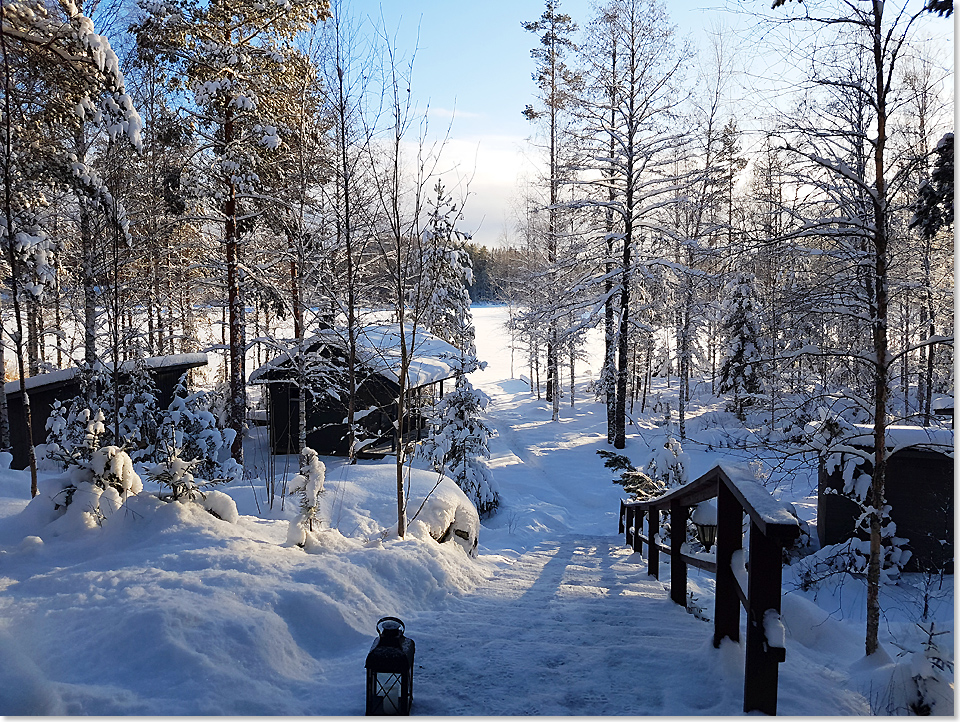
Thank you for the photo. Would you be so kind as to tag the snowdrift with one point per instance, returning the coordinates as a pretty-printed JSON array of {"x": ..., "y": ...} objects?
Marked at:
[{"x": 165, "y": 609}]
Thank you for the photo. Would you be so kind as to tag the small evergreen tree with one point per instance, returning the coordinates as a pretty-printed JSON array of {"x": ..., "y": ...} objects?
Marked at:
[
  {"x": 740, "y": 372},
  {"x": 138, "y": 413},
  {"x": 461, "y": 442},
  {"x": 308, "y": 484}
]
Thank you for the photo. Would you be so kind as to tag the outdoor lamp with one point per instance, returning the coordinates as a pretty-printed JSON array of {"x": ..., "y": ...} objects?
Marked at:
[
  {"x": 704, "y": 517},
  {"x": 390, "y": 670}
]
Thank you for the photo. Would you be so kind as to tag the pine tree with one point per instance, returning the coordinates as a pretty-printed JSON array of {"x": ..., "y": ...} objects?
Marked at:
[
  {"x": 555, "y": 80},
  {"x": 234, "y": 56}
]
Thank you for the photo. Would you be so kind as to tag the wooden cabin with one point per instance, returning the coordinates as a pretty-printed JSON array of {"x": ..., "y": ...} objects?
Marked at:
[
  {"x": 322, "y": 368},
  {"x": 919, "y": 490},
  {"x": 64, "y": 384}
]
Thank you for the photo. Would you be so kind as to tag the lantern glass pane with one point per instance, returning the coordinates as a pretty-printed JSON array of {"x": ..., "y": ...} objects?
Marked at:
[{"x": 388, "y": 688}]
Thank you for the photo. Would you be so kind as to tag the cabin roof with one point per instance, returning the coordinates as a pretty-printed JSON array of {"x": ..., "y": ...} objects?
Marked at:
[
  {"x": 378, "y": 349},
  {"x": 62, "y": 377}
]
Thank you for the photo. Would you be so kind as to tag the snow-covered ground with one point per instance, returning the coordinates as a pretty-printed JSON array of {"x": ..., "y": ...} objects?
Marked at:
[{"x": 170, "y": 611}]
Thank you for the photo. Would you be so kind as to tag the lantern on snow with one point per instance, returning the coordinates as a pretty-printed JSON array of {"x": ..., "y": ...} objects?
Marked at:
[{"x": 390, "y": 670}]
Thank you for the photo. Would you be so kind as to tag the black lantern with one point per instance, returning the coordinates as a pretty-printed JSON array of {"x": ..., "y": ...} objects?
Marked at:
[
  {"x": 390, "y": 670},
  {"x": 705, "y": 519}
]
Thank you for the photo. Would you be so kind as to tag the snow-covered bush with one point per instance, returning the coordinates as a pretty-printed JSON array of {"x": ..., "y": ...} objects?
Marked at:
[
  {"x": 308, "y": 484},
  {"x": 459, "y": 443},
  {"x": 96, "y": 482},
  {"x": 669, "y": 466}
]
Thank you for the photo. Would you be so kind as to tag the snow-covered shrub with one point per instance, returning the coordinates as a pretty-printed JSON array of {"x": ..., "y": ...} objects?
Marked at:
[
  {"x": 176, "y": 476},
  {"x": 932, "y": 672},
  {"x": 669, "y": 466},
  {"x": 96, "y": 482},
  {"x": 459, "y": 443},
  {"x": 308, "y": 484}
]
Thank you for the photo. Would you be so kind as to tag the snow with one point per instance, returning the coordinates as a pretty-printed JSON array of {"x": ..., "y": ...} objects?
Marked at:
[
  {"x": 378, "y": 348},
  {"x": 162, "y": 608},
  {"x": 187, "y": 360}
]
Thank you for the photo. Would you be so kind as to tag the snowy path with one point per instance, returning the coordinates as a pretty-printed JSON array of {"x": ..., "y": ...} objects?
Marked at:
[
  {"x": 532, "y": 640},
  {"x": 571, "y": 624}
]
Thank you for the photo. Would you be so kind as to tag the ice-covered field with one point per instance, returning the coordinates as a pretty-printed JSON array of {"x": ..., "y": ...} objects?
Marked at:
[{"x": 175, "y": 612}]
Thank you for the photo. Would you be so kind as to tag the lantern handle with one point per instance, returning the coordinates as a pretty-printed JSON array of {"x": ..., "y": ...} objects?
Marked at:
[{"x": 390, "y": 619}]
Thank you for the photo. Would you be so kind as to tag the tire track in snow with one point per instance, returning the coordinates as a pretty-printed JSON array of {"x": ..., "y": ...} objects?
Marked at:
[{"x": 572, "y": 627}]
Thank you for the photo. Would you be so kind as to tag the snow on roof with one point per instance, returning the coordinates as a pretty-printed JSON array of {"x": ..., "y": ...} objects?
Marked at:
[
  {"x": 63, "y": 376},
  {"x": 901, "y": 437},
  {"x": 379, "y": 350}
]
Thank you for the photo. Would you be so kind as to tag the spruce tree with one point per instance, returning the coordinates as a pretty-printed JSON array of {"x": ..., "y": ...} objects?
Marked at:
[{"x": 740, "y": 371}]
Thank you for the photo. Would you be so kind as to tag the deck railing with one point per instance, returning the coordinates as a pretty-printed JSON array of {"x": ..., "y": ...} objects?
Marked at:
[{"x": 754, "y": 582}]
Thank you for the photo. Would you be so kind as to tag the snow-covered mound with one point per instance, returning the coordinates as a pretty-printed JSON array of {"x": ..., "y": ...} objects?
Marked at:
[{"x": 165, "y": 609}]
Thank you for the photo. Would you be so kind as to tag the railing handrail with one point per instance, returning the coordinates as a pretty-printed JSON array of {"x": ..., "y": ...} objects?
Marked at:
[
  {"x": 772, "y": 518},
  {"x": 771, "y": 526}
]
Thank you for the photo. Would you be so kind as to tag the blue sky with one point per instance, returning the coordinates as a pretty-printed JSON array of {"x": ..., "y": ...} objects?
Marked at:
[
  {"x": 473, "y": 57},
  {"x": 473, "y": 62}
]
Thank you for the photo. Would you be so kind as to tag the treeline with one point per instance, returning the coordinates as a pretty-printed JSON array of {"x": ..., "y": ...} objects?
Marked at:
[{"x": 493, "y": 272}]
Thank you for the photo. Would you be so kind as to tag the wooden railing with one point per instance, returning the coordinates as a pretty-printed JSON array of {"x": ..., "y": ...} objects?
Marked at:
[{"x": 771, "y": 528}]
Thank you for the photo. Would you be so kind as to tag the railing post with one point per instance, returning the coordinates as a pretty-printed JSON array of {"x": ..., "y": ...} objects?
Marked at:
[
  {"x": 678, "y": 567},
  {"x": 761, "y": 670},
  {"x": 637, "y": 530},
  {"x": 653, "y": 551},
  {"x": 726, "y": 614},
  {"x": 623, "y": 511}
]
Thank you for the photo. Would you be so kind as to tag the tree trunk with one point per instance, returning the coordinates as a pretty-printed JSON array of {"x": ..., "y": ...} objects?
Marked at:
[
  {"x": 880, "y": 341},
  {"x": 237, "y": 346}
]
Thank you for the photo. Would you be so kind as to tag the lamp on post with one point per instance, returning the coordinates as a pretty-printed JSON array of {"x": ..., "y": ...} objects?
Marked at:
[
  {"x": 704, "y": 517},
  {"x": 390, "y": 670}
]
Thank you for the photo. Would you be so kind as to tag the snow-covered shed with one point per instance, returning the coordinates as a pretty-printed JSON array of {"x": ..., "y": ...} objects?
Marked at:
[
  {"x": 919, "y": 490},
  {"x": 64, "y": 384},
  {"x": 322, "y": 364}
]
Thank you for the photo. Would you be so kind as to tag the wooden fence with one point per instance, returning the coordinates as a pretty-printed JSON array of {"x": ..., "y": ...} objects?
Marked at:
[{"x": 753, "y": 582}]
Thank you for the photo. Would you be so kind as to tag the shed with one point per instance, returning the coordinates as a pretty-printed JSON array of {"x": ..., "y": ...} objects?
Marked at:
[
  {"x": 323, "y": 363},
  {"x": 64, "y": 384},
  {"x": 919, "y": 490}
]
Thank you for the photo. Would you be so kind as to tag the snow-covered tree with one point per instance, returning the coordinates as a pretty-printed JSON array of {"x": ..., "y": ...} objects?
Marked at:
[
  {"x": 58, "y": 73},
  {"x": 308, "y": 485},
  {"x": 189, "y": 430},
  {"x": 555, "y": 80},
  {"x": 627, "y": 147},
  {"x": 447, "y": 272},
  {"x": 847, "y": 142},
  {"x": 459, "y": 444},
  {"x": 740, "y": 368},
  {"x": 137, "y": 417}
]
